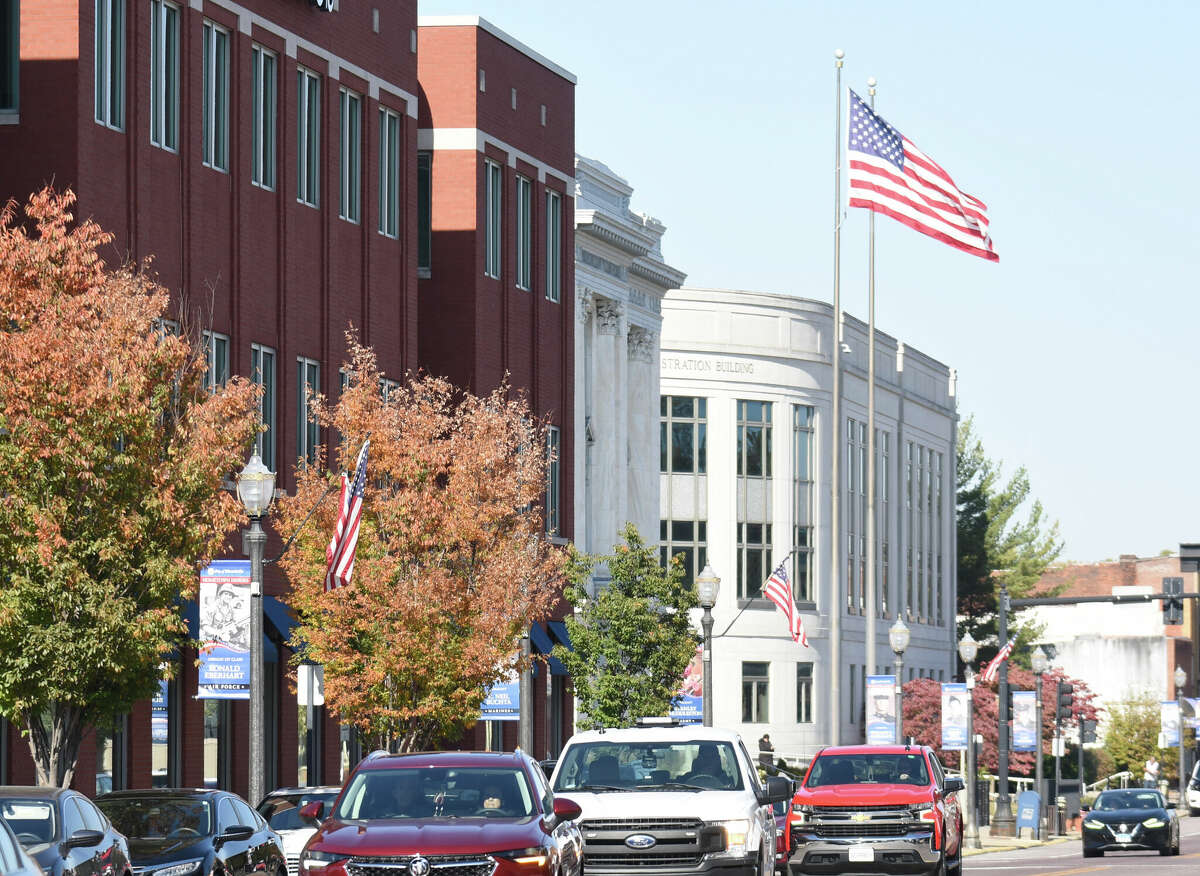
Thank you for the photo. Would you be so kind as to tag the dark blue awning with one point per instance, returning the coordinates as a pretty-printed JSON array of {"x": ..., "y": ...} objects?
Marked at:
[
  {"x": 558, "y": 629},
  {"x": 542, "y": 644},
  {"x": 280, "y": 616}
]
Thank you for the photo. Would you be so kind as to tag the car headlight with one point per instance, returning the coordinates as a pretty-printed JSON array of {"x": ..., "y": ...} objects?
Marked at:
[
  {"x": 535, "y": 855},
  {"x": 735, "y": 835},
  {"x": 1092, "y": 824},
  {"x": 184, "y": 868},
  {"x": 1153, "y": 822},
  {"x": 316, "y": 862},
  {"x": 801, "y": 813},
  {"x": 924, "y": 812}
]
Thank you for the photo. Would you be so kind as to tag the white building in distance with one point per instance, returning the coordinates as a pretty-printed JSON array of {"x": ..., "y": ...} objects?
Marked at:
[{"x": 745, "y": 467}]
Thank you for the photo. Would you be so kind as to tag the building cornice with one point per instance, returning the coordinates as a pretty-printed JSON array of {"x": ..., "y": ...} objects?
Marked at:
[
  {"x": 484, "y": 24},
  {"x": 602, "y": 225},
  {"x": 658, "y": 273}
]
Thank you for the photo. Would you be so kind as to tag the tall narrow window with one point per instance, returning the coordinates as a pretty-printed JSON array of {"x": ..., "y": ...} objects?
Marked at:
[
  {"x": 754, "y": 489},
  {"x": 389, "y": 173},
  {"x": 686, "y": 539},
  {"x": 10, "y": 55},
  {"x": 110, "y": 63},
  {"x": 909, "y": 530},
  {"x": 350, "y": 155},
  {"x": 164, "y": 74},
  {"x": 493, "y": 181},
  {"x": 553, "y": 485},
  {"x": 754, "y": 439},
  {"x": 937, "y": 528},
  {"x": 262, "y": 127},
  {"x": 216, "y": 96},
  {"x": 883, "y": 494},
  {"x": 524, "y": 232},
  {"x": 262, "y": 372},
  {"x": 754, "y": 558},
  {"x": 804, "y": 693},
  {"x": 755, "y": 693},
  {"x": 802, "y": 501},
  {"x": 216, "y": 347},
  {"x": 553, "y": 246},
  {"x": 424, "y": 211},
  {"x": 683, "y": 435},
  {"x": 308, "y": 136},
  {"x": 308, "y": 384}
]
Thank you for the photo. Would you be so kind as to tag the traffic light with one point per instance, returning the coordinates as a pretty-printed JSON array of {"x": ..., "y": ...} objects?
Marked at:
[
  {"x": 1172, "y": 605},
  {"x": 1066, "y": 698},
  {"x": 1088, "y": 729}
]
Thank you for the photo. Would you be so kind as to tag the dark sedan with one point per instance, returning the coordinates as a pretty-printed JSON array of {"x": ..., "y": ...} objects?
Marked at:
[
  {"x": 194, "y": 833},
  {"x": 14, "y": 860},
  {"x": 1131, "y": 819},
  {"x": 64, "y": 832}
]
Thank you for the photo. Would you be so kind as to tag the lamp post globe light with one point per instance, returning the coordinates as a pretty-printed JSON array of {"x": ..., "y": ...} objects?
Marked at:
[
  {"x": 898, "y": 636},
  {"x": 1180, "y": 681},
  {"x": 1040, "y": 663},
  {"x": 708, "y": 585},
  {"x": 256, "y": 489}
]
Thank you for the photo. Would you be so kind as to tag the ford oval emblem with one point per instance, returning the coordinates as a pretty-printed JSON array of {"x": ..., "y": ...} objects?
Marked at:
[
  {"x": 419, "y": 866},
  {"x": 640, "y": 841}
]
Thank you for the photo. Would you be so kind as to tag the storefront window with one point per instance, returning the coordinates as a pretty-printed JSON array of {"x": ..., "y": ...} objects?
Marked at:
[
  {"x": 216, "y": 743},
  {"x": 110, "y": 758},
  {"x": 310, "y": 720}
]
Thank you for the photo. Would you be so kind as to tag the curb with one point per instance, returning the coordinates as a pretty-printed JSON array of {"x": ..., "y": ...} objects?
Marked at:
[{"x": 1016, "y": 844}]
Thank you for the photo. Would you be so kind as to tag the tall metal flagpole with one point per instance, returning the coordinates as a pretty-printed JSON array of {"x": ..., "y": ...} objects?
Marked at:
[
  {"x": 835, "y": 589},
  {"x": 870, "y": 582}
]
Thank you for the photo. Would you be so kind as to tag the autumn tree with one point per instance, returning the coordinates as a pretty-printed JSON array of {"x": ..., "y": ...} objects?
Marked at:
[
  {"x": 112, "y": 459},
  {"x": 632, "y": 640},
  {"x": 452, "y": 563}
]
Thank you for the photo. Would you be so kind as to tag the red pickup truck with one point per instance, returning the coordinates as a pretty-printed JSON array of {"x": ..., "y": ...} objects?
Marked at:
[{"x": 876, "y": 809}]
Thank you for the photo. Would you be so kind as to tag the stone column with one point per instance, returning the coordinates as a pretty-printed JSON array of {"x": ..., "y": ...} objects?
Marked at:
[
  {"x": 607, "y": 455},
  {"x": 583, "y": 368},
  {"x": 643, "y": 417}
]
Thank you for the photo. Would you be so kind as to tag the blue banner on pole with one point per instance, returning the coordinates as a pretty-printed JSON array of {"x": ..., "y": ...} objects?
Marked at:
[
  {"x": 955, "y": 702},
  {"x": 1170, "y": 723},
  {"x": 689, "y": 706},
  {"x": 881, "y": 709},
  {"x": 225, "y": 631},
  {"x": 1024, "y": 736}
]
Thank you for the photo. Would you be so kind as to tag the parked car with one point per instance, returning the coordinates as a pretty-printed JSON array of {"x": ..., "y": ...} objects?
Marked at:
[
  {"x": 1131, "y": 818},
  {"x": 64, "y": 832},
  {"x": 783, "y": 835},
  {"x": 281, "y": 808},
  {"x": 466, "y": 813},
  {"x": 877, "y": 808},
  {"x": 14, "y": 860},
  {"x": 184, "y": 832},
  {"x": 1193, "y": 792}
]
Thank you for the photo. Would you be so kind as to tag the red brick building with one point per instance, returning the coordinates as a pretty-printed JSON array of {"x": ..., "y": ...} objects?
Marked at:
[{"x": 497, "y": 130}]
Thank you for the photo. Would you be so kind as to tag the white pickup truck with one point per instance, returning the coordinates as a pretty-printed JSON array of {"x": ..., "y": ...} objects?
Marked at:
[{"x": 664, "y": 800}]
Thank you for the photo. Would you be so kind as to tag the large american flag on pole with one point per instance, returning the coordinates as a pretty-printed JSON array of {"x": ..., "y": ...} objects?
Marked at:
[
  {"x": 890, "y": 175},
  {"x": 779, "y": 590},
  {"x": 339, "y": 556},
  {"x": 993, "y": 668}
]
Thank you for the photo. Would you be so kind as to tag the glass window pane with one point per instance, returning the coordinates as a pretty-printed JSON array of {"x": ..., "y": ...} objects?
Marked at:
[
  {"x": 682, "y": 446},
  {"x": 682, "y": 407},
  {"x": 754, "y": 573},
  {"x": 682, "y": 530},
  {"x": 662, "y": 447},
  {"x": 754, "y": 451}
]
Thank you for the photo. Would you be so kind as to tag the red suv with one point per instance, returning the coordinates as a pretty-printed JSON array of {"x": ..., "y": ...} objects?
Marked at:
[
  {"x": 445, "y": 814},
  {"x": 876, "y": 809}
]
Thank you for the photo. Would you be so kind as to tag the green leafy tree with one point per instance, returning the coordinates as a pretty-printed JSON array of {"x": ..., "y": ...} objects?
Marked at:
[
  {"x": 633, "y": 640},
  {"x": 995, "y": 543},
  {"x": 112, "y": 458},
  {"x": 1131, "y": 736}
]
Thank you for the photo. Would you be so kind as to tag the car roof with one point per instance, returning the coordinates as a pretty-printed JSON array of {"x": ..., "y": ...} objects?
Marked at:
[
  {"x": 311, "y": 789},
  {"x": 34, "y": 792},
  {"x": 384, "y": 761},
  {"x": 872, "y": 749},
  {"x": 658, "y": 733},
  {"x": 164, "y": 792}
]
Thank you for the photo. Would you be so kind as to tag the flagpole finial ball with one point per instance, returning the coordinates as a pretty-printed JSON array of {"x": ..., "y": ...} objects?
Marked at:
[
  {"x": 871, "y": 83},
  {"x": 839, "y": 54}
]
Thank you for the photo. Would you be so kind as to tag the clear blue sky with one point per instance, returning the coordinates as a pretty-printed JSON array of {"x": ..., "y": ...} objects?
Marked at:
[{"x": 1077, "y": 353}]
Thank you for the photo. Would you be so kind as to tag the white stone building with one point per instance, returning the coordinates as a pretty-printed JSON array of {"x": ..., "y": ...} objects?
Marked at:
[
  {"x": 745, "y": 462},
  {"x": 620, "y": 279}
]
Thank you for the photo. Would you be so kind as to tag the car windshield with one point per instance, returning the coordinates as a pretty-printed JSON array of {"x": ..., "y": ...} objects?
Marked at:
[
  {"x": 158, "y": 817},
  {"x": 282, "y": 811},
  {"x": 438, "y": 792},
  {"x": 699, "y": 764},
  {"x": 1131, "y": 799},
  {"x": 868, "y": 769},
  {"x": 33, "y": 821}
]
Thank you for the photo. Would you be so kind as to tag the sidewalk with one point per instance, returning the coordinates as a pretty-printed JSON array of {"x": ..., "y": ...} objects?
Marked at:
[{"x": 1002, "y": 843}]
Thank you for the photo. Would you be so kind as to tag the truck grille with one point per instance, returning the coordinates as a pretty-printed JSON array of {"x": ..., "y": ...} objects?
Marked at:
[
  {"x": 443, "y": 865},
  {"x": 293, "y": 864},
  {"x": 893, "y": 828},
  {"x": 642, "y": 859},
  {"x": 847, "y": 810},
  {"x": 679, "y": 842}
]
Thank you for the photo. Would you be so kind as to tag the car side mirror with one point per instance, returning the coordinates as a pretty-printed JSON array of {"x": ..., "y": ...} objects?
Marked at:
[
  {"x": 312, "y": 811},
  {"x": 566, "y": 810},
  {"x": 236, "y": 834},
  {"x": 777, "y": 790},
  {"x": 954, "y": 783},
  {"x": 83, "y": 838}
]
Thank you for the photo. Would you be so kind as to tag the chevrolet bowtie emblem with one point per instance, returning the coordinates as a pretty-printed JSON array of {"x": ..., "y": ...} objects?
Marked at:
[{"x": 860, "y": 816}]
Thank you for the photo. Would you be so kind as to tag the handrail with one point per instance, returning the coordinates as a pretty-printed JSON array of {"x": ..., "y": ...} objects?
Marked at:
[{"x": 1124, "y": 776}]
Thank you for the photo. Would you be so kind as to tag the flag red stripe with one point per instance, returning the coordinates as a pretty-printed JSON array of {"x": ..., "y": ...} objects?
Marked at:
[
  {"x": 899, "y": 187},
  {"x": 915, "y": 156},
  {"x": 925, "y": 229}
]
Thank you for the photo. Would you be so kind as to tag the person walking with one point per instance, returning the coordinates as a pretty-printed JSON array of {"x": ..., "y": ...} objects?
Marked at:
[
  {"x": 1150, "y": 774},
  {"x": 765, "y": 751}
]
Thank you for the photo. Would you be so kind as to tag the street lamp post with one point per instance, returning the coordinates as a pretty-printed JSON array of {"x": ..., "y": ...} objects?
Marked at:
[
  {"x": 256, "y": 488},
  {"x": 968, "y": 648},
  {"x": 1180, "y": 681},
  {"x": 708, "y": 585},
  {"x": 898, "y": 636},
  {"x": 1040, "y": 664},
  {"x": 1003, "y": 823}
]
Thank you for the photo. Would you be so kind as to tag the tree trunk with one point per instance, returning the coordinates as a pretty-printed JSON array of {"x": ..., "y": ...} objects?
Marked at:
[{"x": 54, "y": 736}]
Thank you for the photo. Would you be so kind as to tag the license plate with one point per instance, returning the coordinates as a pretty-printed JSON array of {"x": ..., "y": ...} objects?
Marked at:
[
  {"x": 862, "y": 853},
  {"x": 1124, "y": 838}
]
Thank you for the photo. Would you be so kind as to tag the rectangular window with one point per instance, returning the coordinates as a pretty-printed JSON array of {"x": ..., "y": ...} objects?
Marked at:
[
  {"x": 262, "y": 128},
  {"x": 389, "y": 173},
  {"x": 164, "y": 75},
  {"x": 804, "y": 693},
  {"x": 683, "y": 435},
  {"x": 553, "y": 480},
  {"x": 937, "y": 479},
  {"x": 553, "y": 246},
  {"x": 215, "y": 119},
  {"x": 10, "y": 55},
  {"x": 524, "y": 233},
  {"x": 908, "y": 530},
  {"x": 856, "y": 515},
  {"x": 424, "y": 211},
  {"x": 308, "y": 136},
  {"x": 802, "y": 502},
  {"x": 754, "y": 558},
  {"x": 350, "y": 155},
  {"x": 493, "y": 181},
  {"x": 686, "y": 539},
  {"x": 882, "y": 520},
  {"x": 754, "y": 439},
  {"x": 755, "y": 693},
  {"x": 308, "y": 384},
  {"x": 110, "y": 63},
  {"x": 216, "y": 347},
  {"x": 262, "y": 372}
]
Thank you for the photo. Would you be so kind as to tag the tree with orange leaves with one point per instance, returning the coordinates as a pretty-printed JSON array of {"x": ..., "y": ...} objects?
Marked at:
[
  {"x": 112, "y": 459},
  {"x": 452, "y": 562}
]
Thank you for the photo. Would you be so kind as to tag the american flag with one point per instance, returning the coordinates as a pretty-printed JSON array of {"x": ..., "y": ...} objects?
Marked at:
[
  {"x": 779, "y": 590},
  {"x": 890, "y": 175},
  {"x": 339, "y": 556},
  {"x": 993, "y": 668}
]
